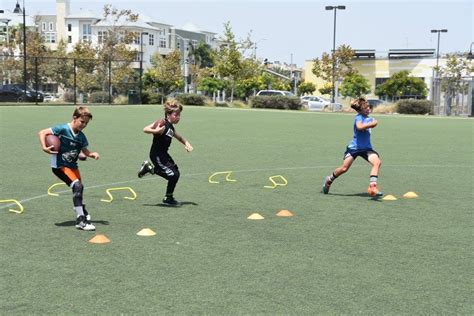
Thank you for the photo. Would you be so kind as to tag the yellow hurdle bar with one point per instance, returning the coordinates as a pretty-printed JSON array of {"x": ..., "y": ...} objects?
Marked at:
[
  {"x": 227, "y": 178},
  {"x": 53, "y": 186},
  {"x": 17, "y": 203},
  {"x": 275, "y": 184},
  {"x": 133, "y": 197}
]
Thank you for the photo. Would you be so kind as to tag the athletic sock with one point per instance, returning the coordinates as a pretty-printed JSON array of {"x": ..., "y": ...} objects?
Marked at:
[
  {"x": 373, "y": 180},
  {"x": 332, "y": 177},
  {"x": 79, "y": 210}
]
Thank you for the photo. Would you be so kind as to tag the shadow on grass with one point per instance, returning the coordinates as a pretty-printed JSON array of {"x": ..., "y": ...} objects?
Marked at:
[
  {"x": 167, "y": 205},
  {"x": 73, "y": 223},
  {"x": 366, "y": 195}
]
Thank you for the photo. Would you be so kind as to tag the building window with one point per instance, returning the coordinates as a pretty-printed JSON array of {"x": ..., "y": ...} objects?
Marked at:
[
  {"x": 379, "y": 81},
  {"x": 101, "y": 36},
  {"x": 151, "y": 39},
  {"x": 43, "y": 26},
  {"x": 86, "y": 32},
  {"x": 51, "y": 26},
  {"x": 162, "y": 43},
  {"x": 69, "y": 27},
  {"x": 49, "y": 37},
  {"x": 69, "y": 39},
  {"x": 178, "y": 45}
]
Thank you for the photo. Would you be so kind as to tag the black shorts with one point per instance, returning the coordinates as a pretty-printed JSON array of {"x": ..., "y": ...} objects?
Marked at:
[
  {"x": 364, "y": 153},
  {"x": 164, "y": 165}
]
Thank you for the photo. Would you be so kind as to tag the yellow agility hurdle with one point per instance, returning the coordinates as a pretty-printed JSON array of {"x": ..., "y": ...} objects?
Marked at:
[
  {"x": 227, "y": 177},
  {"x": 53, "y": 186},
  {"x": 133, "y": 197},
  {"x": 275, "y": 184},
  {"x": 17, "y": 203}
]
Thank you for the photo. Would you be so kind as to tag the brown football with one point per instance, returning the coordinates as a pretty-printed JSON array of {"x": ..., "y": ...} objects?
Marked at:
[
  {"x": 53, "y": 140},
  {"x": 159, "y": 123}
]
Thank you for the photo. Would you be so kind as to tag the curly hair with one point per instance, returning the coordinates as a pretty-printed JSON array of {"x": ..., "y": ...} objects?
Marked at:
[
  {"x": 172, "y": 106},
  {"x": 358, "y": 104}
]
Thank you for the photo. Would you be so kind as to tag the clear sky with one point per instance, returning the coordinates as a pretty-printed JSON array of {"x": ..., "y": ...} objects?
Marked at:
[{"x": 302, "y": 30}]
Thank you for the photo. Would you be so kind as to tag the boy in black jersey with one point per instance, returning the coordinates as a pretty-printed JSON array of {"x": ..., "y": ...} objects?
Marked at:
[{"x": 163, "y": 165}]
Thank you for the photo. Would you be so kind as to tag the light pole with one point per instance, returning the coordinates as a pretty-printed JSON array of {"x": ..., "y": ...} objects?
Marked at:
[
  {"x": 335, "y": 8},
  {"x": 437, "y": 50},
  {"x": 19, "y": 10},
  {"x": 185, "y": 62},
  {"x": 141, "y": 64},
  {"x": 469, "y": 55},
  {"x": 255, "y": 47}
]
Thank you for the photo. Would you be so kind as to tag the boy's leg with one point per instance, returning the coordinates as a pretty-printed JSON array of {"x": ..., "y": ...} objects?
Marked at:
[
  {"x": 170, "y": 172},
  {"x": 145, "y": 168},
  {"x": 374, "y": 160},
  {"x": 72, "y": 178},
  {"x": 348, "y": 160}
]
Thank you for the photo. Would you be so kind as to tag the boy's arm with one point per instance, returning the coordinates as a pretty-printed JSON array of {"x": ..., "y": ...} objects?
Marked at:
[
  {"x": 42, "y": 138},
  {"x": 154, "y": 128},
  {"x": 363, "y": 126},
  {"x": 186, "y": 144},
  {"x": 88, "y": 153}
]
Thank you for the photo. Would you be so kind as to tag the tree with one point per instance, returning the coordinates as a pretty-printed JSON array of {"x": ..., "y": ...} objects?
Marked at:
[
  {"x": 354, "y": 86},
  {"x": 452, "y": 74},
  {"x": 165, "y": 73},
  {"x": 323, "y": 67},
  {"x": 306, "y": 88},
  {"x": 401, "y": 85},
  {"x": 59, "y": 68}
]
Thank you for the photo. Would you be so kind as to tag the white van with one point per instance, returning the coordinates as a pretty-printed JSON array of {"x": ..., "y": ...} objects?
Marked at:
[{"x": 274, "y": 92}]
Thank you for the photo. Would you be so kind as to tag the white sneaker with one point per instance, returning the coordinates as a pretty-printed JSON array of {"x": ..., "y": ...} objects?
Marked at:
[{"x": 83, "y": 224}]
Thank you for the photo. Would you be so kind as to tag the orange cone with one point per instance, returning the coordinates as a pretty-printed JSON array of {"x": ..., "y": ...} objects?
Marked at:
[
  {"x": 284, "y": 213},
  {"x": 99, "y": 239}
]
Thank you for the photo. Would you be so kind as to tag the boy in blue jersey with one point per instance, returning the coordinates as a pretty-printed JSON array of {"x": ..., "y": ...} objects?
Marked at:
[
  {"x": 163, "y": 132},
  {"x": 64, "y": 162},
  {"x": 360, "y": 146}
]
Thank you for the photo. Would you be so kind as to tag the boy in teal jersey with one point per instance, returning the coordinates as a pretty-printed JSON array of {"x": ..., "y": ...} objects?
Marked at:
[
  {"x": 64, "y": 163},
  {"x": 360, "y": 145}
]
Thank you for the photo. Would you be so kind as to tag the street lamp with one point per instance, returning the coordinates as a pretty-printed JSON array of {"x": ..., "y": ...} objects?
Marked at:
[
  {"x": 469, "y": 55},
  {"x": 18, "y": 10},
  {"x": 185, "y": 61},
  {"x": 141, "y": 63},
  {"x": 255, "y": 47},
  {"x": 437, "y": 50},
  {"x": 335, "y": 8}
]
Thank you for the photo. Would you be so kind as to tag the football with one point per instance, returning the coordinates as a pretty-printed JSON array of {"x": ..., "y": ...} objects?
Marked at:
[
  {"x": 82, "y": 156},
  {"x": 53, "y": 140},
  {"x": 159, "y": 123}
]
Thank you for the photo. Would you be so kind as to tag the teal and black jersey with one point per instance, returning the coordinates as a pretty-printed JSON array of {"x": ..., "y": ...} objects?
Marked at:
[{"x": 71, "y": 146}]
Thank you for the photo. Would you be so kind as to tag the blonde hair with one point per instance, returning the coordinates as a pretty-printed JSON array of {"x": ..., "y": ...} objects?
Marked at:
[
  {"x": 358, "y": 104},
  {"x": 81, "y": 112},
  {"x": 172, "y": 106}
]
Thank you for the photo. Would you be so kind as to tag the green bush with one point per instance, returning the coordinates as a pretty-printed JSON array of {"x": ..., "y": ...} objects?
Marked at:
[
  {"x": 121, "y": 100},
  {"x": 276, "y": 102},
  {"x": 412, "y": 106},
  {"x": 99, "y": 97},
  {"x": 150, "y": 97},
  {"x": 191, "y": 99}
]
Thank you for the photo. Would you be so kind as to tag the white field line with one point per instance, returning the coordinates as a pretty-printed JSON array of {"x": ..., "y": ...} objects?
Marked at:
[{"x": 235, "y": 171}]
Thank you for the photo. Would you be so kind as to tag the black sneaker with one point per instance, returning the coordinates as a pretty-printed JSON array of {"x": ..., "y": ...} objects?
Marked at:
[
  {"x": 145, "y": 168},
  {"x": 84, "y": 224},
  {"x": 169, "y": 200}
]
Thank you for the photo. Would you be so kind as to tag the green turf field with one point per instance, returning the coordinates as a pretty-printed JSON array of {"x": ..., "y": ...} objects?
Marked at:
[{"x": 341, "y": 253}]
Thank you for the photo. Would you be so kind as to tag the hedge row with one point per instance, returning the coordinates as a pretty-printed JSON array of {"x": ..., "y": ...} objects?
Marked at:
[
  {"x": 276, "y": 102},
  {"x": 414, "y": 107}
]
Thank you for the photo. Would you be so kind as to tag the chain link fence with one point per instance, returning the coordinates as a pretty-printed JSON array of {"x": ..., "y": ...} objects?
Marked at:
[
  {"x": 453, "y": 97},
  {"x": 74, "y": 80}
]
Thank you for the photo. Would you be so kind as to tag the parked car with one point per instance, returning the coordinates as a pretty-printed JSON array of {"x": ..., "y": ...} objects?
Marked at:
[
  {"x": 375, "y": 102},
  {"x": 16, "y": 93},
  {"x": 50, "y": 98},
  {"x": 317, "y": 103},
  {"x": 275, "y": 92}
]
